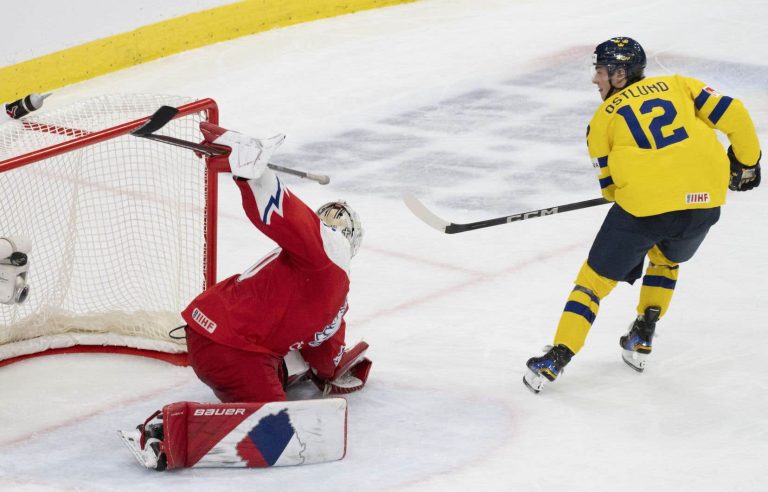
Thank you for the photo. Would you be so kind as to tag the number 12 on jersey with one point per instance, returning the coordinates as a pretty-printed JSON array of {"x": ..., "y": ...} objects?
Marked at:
[{"x": 666, "y": 118}]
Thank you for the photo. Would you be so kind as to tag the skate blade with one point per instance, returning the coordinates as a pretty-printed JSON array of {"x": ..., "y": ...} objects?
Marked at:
[
  {"x": 533, "y": 381},
  {"x": 132, "y": 439},
  {"x": 635, "y": 360}
]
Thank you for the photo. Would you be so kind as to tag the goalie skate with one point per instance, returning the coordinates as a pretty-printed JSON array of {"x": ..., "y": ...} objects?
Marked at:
[{"x": 147, "y": 458}]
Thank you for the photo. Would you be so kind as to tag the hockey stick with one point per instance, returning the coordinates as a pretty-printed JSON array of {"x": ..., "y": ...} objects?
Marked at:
[
  {"x": 166, "y": 113},
  {"x": 432, "y": 220}
]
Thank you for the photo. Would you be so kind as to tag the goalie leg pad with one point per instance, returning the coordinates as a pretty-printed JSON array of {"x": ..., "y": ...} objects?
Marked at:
[{"x": 252, "y": 435}]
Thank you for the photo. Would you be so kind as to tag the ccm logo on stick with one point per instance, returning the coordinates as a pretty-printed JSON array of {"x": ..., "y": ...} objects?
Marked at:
[
  {"x": 537, "y": 213},
  {"x": 207, "y": 412}
]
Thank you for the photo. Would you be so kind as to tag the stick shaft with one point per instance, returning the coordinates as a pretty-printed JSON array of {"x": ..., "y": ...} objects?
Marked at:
[
  {"x": 431, "y": 219},
  {"x": 163, "y": 116},
  {"x": 454, "y": 228}
]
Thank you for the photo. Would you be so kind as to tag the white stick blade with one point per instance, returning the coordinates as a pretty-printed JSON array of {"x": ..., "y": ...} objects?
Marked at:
[
  {"x": 423, "y": 213},
  {"x": 132, "y": 438}
]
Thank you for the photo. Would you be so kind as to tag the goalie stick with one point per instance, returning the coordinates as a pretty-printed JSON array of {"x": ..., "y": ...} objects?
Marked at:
[
  {"x": 442, "y": 225},
  {"x": 166, "y": 113}
]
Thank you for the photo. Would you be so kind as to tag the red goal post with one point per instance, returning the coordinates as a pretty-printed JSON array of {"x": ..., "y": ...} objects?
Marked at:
[{"x": 123, "y": 229}]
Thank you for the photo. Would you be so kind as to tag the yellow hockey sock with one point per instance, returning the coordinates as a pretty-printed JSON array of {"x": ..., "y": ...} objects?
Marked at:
[
  {"x": 658, "y": 282},
  {"x": 581, "y": 308}
]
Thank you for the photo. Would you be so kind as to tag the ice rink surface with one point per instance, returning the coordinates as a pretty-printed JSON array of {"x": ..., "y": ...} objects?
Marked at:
[{"x": 479, "y": 108}]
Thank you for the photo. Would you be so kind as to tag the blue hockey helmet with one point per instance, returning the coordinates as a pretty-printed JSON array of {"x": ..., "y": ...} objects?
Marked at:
[{"x": 621, "y": 52}]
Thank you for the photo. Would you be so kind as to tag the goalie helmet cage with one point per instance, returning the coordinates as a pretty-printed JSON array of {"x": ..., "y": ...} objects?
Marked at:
[{"x": 123, "y": 229}]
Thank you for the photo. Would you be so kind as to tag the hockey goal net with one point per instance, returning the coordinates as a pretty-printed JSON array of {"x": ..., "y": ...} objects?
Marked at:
[{"x": 122, "y": 228}]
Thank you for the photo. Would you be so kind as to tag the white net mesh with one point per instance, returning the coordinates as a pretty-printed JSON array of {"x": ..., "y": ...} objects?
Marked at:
[{"x": 117, "y": 227}]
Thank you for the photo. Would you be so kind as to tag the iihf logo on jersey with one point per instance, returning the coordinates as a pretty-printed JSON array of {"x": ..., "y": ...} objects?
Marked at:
[
  {"x": 697, "y": 197},
  {"x": 203, "y": 320}
]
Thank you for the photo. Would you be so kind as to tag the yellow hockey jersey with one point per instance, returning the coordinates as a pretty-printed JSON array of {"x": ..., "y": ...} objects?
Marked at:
[{"x": 656, "y": 150}]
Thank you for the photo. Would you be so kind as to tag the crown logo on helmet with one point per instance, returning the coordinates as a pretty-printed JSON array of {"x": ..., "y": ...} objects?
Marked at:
[{"x": 621, "y": 52}]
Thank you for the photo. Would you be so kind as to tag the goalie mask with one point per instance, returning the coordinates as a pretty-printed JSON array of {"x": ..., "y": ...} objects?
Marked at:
[{"x": 341, "y": 217}]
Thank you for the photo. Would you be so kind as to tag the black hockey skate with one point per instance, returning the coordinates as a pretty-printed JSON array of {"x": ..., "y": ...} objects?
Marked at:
[
  {"x": 636, "y": 344},
  {"x": 547, "y": 367},
  {"x": 145, "y": 443}
]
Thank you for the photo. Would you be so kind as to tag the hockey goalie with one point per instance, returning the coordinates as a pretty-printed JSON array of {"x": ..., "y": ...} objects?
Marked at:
[{"x": 252, "y": 335}]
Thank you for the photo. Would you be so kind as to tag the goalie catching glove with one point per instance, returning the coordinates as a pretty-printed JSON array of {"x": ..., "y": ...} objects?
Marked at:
[
  {"x": 248, "y": 156},
  {"x": 14, "y": 268},
  {"x": 350, "y": 375}
]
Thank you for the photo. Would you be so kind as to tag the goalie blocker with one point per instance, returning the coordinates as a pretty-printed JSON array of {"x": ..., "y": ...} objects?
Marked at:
[{"x": 250, "y": 435}]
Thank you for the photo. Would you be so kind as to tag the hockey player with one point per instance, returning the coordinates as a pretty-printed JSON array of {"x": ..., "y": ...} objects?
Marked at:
[
  {"x": 21, "y": 107},
  {"x": 293, "y": 300},
  {"x": 659, "y": 160},
  {"x": 14, "y": 268},
  {"x": 251, "y": 335}
]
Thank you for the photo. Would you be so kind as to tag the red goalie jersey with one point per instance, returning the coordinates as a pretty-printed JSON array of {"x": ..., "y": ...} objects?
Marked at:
[{"x": 294, "y": 298}]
